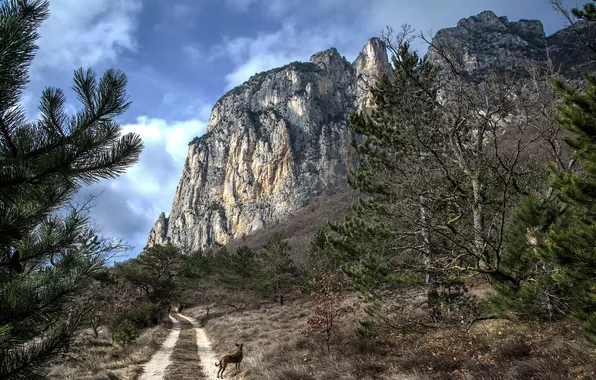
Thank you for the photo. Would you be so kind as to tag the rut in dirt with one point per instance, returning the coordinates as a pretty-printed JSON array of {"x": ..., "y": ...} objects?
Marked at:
[{"x": 155, "y": 368}]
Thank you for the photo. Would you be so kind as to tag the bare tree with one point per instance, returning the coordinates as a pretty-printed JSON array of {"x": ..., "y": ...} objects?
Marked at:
[{"x": 445, "y": 157}]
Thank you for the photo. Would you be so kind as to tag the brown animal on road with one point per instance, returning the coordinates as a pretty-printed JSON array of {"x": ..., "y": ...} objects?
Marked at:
[{"x": 234, "y": 357}]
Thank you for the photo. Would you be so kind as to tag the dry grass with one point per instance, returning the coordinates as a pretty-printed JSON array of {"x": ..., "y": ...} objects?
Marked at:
[
  {"x": 97, "y": 359},
  {"x": 276, "y": 348},
  {"x": 300, "y": 227},
  {"x": 185, "y": 360},
  {"x": 498, "y": 349}
]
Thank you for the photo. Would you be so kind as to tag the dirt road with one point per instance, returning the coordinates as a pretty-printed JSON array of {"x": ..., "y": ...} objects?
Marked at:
[{"x": 156, "y": 368}]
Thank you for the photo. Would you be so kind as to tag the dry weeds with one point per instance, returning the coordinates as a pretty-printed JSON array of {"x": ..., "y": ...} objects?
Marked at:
[
  {"x": 97, "y": 359},
  {"x": 275, "y": 348},
  {"x": 498, "y": 349}
]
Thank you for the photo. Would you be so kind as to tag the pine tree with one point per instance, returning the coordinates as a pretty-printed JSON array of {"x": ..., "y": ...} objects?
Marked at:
[
  {"x": 537, "y": 290},
  {"x": 573, "y": 246},
  {"x": 278, "y": 267},
  {"x": 240, "y": 270},
  {"x": 322, "y": 258},
  {"x": 391, "y": 240},
  {"x": 155, "y": 272},
  {"x": 388, "y": 170},
  {"x": 550, "y": 240},
  {"x": 48, "y": 252}
]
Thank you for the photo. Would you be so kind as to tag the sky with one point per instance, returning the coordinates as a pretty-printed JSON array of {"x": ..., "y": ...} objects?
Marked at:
[{"x": 181, "y": 56}]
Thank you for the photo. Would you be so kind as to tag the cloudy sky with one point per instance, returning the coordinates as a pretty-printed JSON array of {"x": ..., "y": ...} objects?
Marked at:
[{"x": 182, "y": 55}]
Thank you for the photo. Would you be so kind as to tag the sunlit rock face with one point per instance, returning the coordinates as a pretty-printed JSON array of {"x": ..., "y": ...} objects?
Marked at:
[{"x": 273, "y": 144}]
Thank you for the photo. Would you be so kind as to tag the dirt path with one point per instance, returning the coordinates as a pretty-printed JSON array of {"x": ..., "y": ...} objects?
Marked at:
[
  {"x": 206, "y": 354},
  {"x": 155, "y": 368}
]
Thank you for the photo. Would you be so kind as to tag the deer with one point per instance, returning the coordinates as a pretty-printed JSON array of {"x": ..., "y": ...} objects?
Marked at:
[{"x": 234, "y": 357}]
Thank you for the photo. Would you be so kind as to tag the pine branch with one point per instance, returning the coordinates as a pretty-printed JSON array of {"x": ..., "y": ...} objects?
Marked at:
[
  {"x": 42, "y": 164},
  {"x": 53, "y": 114},
  {"x": 18, "y": 32}
]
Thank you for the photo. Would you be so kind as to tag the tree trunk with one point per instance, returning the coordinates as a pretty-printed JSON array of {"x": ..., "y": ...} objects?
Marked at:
[
  {"x": 478, "y": 213},
  {"x": 432, "y": 295}
]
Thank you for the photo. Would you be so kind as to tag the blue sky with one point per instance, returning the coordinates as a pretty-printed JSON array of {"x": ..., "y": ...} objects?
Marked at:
[{"x": 182, "y": 55}]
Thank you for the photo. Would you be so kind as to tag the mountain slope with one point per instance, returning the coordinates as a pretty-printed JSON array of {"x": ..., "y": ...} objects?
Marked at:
[
  {"x": 272, "y": 146},
  {"x": 280, "y": 141}
]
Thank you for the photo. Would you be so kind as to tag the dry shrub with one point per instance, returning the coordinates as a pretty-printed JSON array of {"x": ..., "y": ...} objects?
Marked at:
[
  {"x": 276, "y": 348},
  {"x": 329, "y": 307},
  {"x": 426, "y": 360},
  {"x": 538, "y": 369},
  {"x": 291, "y": 372},
  {"x": 514, "y": 348}
]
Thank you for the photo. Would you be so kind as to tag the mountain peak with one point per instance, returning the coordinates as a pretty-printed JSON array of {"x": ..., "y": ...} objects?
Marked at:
[
  {"x": 484, "y": 19},
  {"x": 490, "y": 42},
  {"x": 371, "y": 64},
  {"x": 328, "y": 59}
]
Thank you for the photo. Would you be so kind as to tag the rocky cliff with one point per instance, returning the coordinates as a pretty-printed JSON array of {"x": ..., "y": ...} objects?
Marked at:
[
  {"x": 487, "y": 43},
  {"x": 281, "y": 139},
  {"x": 272, "y": 145}
]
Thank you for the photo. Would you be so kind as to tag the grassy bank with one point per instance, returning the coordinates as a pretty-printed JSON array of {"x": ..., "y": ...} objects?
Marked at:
[{"x": 98, "y": 359}]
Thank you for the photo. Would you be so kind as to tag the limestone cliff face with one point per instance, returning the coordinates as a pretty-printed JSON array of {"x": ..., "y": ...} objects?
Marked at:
[
  {"x": 369, "y": 65},
  {"x": 159, "y": 231},
  {"x": 272, "y": 145}
]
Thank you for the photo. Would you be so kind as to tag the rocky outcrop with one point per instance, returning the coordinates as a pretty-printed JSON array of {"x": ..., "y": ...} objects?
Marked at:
[
  {"x": 368, "y": 66},
  {"x": 487, "y": 43},
  {"x": 159, "y": 232},
  {"x": 568, "y": 51},
  {"x": 272, "y": 145}
]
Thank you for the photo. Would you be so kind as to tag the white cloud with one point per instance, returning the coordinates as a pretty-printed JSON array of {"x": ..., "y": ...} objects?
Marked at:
[
  {"x": 149, "y": 186},
  {"x": 173, "y": 135},
  {"x": 305, "y": 30},
  {"x": 266, "y": 51},
  {"x": 128, "y": 206},
  {"x": 240, "y": 5},
  {"x": 283, "y": 8},
  {"x": 182, "y": 10},
  {"x": 85, "y": 33}
]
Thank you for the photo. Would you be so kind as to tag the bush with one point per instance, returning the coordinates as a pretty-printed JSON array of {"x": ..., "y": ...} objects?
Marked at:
[
  {"x": 329, "y": 309},
  {"x": 515, "y": 348},
  {"x": 126, "y": 333},
  {"x": 146, "y": 314}
]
